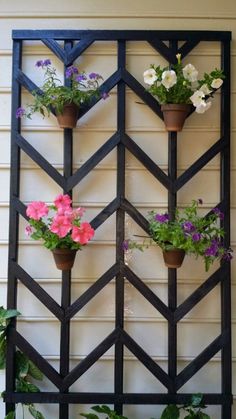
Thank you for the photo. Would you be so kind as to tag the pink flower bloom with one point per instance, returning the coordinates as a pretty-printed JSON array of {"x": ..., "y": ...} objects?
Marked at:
[
  {"x": 28, "y": 230},
  {"x": 61, "y": 225},
  {"x": 62, "y": 202},
  {"x": 37, "y": 210},
  {"x": 82, "y": 234},
  {"x": 79, "y": 212}
]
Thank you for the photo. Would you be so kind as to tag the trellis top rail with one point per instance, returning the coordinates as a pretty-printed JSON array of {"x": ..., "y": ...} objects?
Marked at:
[{"x": 128, "y": 35}]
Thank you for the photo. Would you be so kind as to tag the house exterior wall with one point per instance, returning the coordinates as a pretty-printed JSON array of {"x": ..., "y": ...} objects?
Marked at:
[{"x": 96, "y": 320}]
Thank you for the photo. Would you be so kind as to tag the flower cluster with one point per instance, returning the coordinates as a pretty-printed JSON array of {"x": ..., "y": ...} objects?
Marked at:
[
  {"x": 200, "y": 236},
  {"x": 58, "y": 225},
  {"x": 54, "y": 96},
  {"x": 178, "y": 84}
]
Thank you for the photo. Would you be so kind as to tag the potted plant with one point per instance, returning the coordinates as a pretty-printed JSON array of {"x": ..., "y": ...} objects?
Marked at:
[
  {"x": 176, "y": 88},
  {"x": 187, "y": 233},
  {"x": 64, "y": 100},
  {"x": 60, "y": 228}
]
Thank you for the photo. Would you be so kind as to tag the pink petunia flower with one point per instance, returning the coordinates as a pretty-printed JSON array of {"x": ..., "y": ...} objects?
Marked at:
[
  {"x": 79, "y": 212},
  {"x": 82, "y": 234},
  {"x": 37, "y": 210},
  {"x": 61, "y": 225},
  {"x": 62, "y": 202},
  {"x": 28, "y": 230}
]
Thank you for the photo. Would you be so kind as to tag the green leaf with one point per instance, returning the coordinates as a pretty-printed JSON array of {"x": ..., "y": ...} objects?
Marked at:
[
  {"x": 102, "y": 409},
  {"x": 170, "y": 412},
  {"x": 22, "y": 364},
  {"x": 89, "y": 415},
  {"x": 7, "y": 314},
  {"x": 196, "y": 400},
  {"x": 35, "y": 371},
  {"x": 10, "y": 415},
  {"x": 24, "y": 386},
  {"x": 35, "y": 413}
]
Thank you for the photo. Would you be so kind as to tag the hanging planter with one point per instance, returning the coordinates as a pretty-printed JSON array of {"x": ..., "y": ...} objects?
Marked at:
[
  {"x": 173, "y": 258},
  {"x": 64, "y": 258},
  {"x": 60, "y": 228},
  {"x": 69, "y": 116},
  {"x": 175, "y": 115},
  {"x": 177, "y": 88}
]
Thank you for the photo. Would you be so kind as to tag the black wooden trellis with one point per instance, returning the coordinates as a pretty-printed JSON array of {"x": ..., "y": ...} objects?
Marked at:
[{"x": 65, "y": 312}]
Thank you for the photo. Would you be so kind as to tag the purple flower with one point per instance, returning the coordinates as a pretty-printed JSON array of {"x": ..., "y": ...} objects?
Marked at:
[
  {"x": 71, "y": 70},
  {"x": 228, "y": 255},
  {"x": 81, "y": 77},
  {"x": 39, "y": 63},
  {"x": 47, "y": 62},
  {"x": 162, "y": 218},
  {"x": 105, "y": 95},
  {"x": 196, "y": 237},
  {"x": 188, "y": 227},
  {"x": 94, "y": 76},
  {"x": 125, "y": 245},
  {"x": 20, "y": 112},
  {"x": 200, "y": 201},
  {"x": 218, "y": 213},
  {"x": 213, "y": 249}
]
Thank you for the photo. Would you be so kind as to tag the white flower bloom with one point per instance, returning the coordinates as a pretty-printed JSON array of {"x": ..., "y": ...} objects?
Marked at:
[
  {"x": 169, "y": 78},
  {"x": 204, "y": 88},
  {"x": 150, "y": 76},
  {"x": 190, "y": 73},
  {"x": 203, "y": 107},
  {"x": 197, "y": 97},
  {"x": 216, "y": 83}
]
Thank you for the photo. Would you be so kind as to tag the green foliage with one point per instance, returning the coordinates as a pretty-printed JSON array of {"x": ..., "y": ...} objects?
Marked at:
[
  {"x": 110, "y": 414},
  {"x": 184, "y": 85},
  {"x": 170, "y": 412},
  {"x": 25, "y": 368},
  {"x": 195, "y": 234},
  {"x": 54, "y": 96},
  {"x": 193, "y": 409}
]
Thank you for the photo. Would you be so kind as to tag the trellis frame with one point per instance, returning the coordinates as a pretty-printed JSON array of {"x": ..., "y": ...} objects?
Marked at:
[{"x": 64, "y": 312}]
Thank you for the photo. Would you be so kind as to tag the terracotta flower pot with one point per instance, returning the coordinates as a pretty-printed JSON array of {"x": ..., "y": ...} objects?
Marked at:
[
  {"x": 64, "y": 258},
  {"x": 173, "y": 258},
  {"x": 175, "y": 115},
  {"x": 68, "y": 118}
]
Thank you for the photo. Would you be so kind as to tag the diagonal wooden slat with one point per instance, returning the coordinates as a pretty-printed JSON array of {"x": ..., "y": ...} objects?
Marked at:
[
  {"x": 105, "y": 213},
  {"x": 104, "y": 88},
  {"x": 78, "y": 49},
  {"x": 27, "y": 83},
  {"x": 200, "y": 163},
  {"x": 93, "y": 161},
  {"x": 161, "y": 47},
  {"x": 202, "y": 359},
  {"x": 187, "y": 47},
  {"x": 200, "y": 293},
  {"x": 142, "y": 93},
  {"x": 55, "y": 48},
  {"x": 19, "y": 206},
  {"x": 40, "y": 160},
  {"x": 146, "y": 360},
  {"x": 135, "y": 214},
  {"x": 38, "y": 292},
  {"x": 91, "y": 291},
  {"x": 147, "y": 293},
  {"x": 34, "y": 356},
  {"x": 90, "y": 359},
  {"x": 146, "y": 161}
]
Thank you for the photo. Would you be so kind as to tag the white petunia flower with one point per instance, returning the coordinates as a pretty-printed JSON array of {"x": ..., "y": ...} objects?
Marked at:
[
  {"x": 190, "y": 73},
  {"x": 203, "y": 107},
  {"x": 169, "y": 78},
  {"x": 204, "y": 88},
  {"x": 216, "y": 83},
  {"x": 150, "y": 76},
  {"x": 197, "y": 97}
]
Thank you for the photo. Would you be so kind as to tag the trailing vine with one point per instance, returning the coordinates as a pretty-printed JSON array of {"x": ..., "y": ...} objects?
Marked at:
[{"x": 25, "y": 368}]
